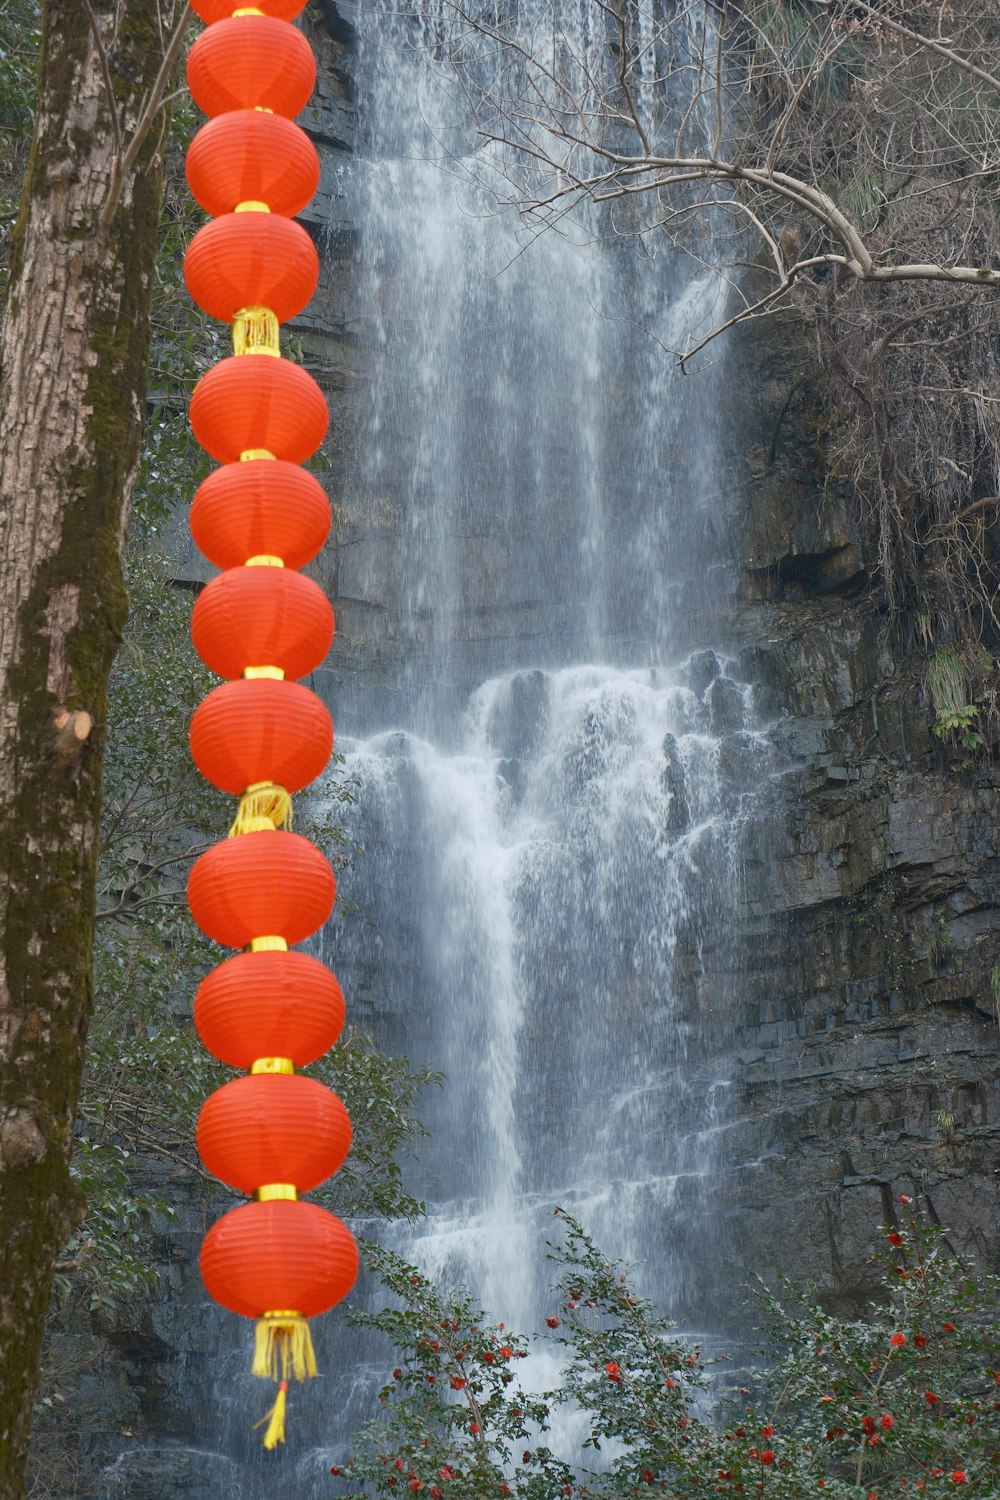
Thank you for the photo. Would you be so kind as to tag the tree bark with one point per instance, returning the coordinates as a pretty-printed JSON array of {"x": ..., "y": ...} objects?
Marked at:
[{"x": 73, "y": 359}]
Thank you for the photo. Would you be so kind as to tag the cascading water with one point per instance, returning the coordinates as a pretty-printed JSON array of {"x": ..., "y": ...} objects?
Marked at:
[{"x": 551, "y": 775}]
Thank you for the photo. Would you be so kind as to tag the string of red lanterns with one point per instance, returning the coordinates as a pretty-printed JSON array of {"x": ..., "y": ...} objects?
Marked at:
[{"x": 261, "y": 735}]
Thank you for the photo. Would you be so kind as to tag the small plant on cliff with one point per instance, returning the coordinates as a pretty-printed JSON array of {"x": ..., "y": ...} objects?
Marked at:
[
  {"x": 955, "y": 718},
  {"x": 904, "y": 1400}
]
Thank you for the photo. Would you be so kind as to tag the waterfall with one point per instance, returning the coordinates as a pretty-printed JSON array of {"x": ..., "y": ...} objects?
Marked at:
[{"x": 553, "y": 750}]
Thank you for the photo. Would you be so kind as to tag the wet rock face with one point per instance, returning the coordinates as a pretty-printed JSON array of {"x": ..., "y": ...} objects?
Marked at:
[{"x": 863, "y": 1026}]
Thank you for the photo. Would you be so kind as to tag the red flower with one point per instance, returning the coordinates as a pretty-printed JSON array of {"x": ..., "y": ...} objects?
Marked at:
[
  {"x": 958, "y": 1476},
  {"x": 904, "y": 1199},
  {"x": 435, "y": 1493},
  {"x": 505, "y": 1352},
  {"x": 920, "y": 1340},
  {"x": 898, "y": 1340},
  {"x": 335, "y": 1470},
  {"x": 505, "y": 1488},
  {"x": 487, "y": 1358},
  {"x": 948, "y": 1328},
  {"x": 868, "y": 1424},
  {"x": 612, "y": 1371},
  {"x": 415, "y": 1485},
  {"x": 458, "y": 1383},
  {"x": 767, "y": 1432},
  {"x": 930, "y": 1398},
  {"x": 767, "y": 1457},
  {"x": 886, "y": 1422},
  {"x": 552, "y": 1322},
  {"x": 430, "y": 1380},
  {"x": 671, "y": 1385},
  {"x": 397, "y": 1374},
  {"x": 895, "y": 1239},
  {"x": 398, "y": 1464},
  {"x": 474, "y": 1428}
]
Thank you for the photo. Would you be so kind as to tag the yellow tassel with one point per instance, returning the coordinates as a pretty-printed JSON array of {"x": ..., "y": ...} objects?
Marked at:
[
  {"x": 283, "y": 1347},
  {"x": 264, "y": 805},
  {"x": 275, "y": 1419},
  {"x": 250, "y": 454},
  {"x": 255, "y": 331},
  {"x": 269, "y": 944},
  {"x": 264, "y": 560}
]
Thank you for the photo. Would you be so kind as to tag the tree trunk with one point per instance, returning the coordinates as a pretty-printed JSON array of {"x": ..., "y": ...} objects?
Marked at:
[{"x": 72, "y": 397}]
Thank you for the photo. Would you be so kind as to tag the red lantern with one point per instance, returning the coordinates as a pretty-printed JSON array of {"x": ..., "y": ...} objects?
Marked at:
[
  {"x": 251, "y": 260},
  {"x": 273, "y": 1128},
  {"x": 264, "y": 1257},
  {"x": 281, "y": 1004},
  {"x": 268, "y": 884},
  {"x": 219, "y": 10},
  {"x": 255, "y": 617},
  {"x": 260, "y": 509},
  {"x": 253, "y": 401},
  {"x": 251, "y": 62},
  {"x": 256, "y": 731},
  {"x": 246, "y": 156}
]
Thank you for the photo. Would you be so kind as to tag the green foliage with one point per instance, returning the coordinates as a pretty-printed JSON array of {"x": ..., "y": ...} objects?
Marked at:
[
  {"x": 455, "y": 1421},
  {"x": 955, "y": 718},
  {"x": 905, "y": 1399}
]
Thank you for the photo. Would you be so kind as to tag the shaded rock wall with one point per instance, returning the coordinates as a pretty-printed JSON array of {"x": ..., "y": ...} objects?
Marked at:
[{"x": 866, "y": 1036}]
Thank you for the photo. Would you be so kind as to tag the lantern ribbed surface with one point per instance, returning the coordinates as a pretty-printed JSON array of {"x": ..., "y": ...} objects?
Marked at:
[
  {"x": 250, "y": 61},
  {"x": 253, "y": 401},
  {"x": 251, "y": 260},
  {"x": 260, "y": 508},
  {"x": 269, "y": 1005},
  {"x": 246, "y": 155},
  {"x": 273, "y": 1128},
  {"x": 266, "y": 1257},
  {"x": 252, "y": 617},
  {"x": 263, "y": 507},
  {"x": 267, "y": 884},
  {"x": 219, "y": 10},
  {"x": 247, "y": 732}
]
